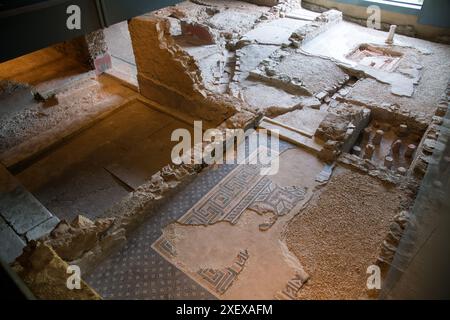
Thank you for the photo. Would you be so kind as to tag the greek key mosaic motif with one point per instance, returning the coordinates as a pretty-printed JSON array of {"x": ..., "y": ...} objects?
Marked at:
[
  {"x": 245, "y": 189},
  {"x": 292, "y": 288},
  {"x": 229, "y": 198},
  {"x": 219, "y": 280},
  {"x": 165, "y": 246}
]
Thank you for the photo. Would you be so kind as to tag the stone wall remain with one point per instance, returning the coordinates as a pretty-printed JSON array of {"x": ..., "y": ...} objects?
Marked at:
[
  {"x": 407, "y": 24},
  {"x": 170, "y": 77}
]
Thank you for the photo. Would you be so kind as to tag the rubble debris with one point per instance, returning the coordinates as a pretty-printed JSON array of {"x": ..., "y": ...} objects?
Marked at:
[
  {"x": 300, "y": 74},
  {"x": 274, "y": 32},
  {"x": 241, "y": 120},
  {"x": 369, "y": 167},
  {"x": 393, "y": 114},
  {"x": 329, "y": 151},
  {"x": 45, "y": 274},
  {"x": 71, "y": 241},
  {"x": 426, "y": 147},
  {"x": 322, "y": 23},
  {"x": 336, "y": 123},
  {"x": 341, "y": 128},
  {"x": 200, "y": 33}
]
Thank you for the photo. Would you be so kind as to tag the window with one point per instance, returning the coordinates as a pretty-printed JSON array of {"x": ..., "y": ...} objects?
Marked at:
[
  {"x": 416, "y": 2},
  {"x": 405, "y": 6}
]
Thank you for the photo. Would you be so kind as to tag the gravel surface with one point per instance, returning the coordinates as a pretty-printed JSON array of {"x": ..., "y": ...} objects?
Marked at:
[{"x": 339, "y": 234}]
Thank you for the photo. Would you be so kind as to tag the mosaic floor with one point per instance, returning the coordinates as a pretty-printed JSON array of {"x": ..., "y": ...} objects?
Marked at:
[
  {"x": 242, "y": 189},
  {"x": 137, "y": 271}
]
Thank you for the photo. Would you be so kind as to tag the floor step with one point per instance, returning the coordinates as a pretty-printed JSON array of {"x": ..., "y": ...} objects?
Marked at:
[{"x": 298, "y": 137}]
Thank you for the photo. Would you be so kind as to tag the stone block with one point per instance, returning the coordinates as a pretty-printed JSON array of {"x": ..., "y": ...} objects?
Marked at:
[
  {"x": 11, "y": 245},
  {"x": 43, "y": 229},
  {"x": 21, "y": 210}
]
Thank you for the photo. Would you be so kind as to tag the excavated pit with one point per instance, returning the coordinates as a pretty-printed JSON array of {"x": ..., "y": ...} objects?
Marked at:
[
  {"x": 92, "y": 152},
  {"x": 375, "y": 57}
]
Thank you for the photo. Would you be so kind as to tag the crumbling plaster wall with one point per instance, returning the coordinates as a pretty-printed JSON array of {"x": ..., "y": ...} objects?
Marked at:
[
  {"x": 409, "y": 24},
  {"x": 171, "y": 77}
]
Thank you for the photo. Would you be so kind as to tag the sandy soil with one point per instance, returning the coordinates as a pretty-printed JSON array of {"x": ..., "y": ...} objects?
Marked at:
[{"x": 339, "y": 234}]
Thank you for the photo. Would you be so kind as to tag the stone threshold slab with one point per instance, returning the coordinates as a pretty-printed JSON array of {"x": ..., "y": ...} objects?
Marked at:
[{"x": 298, "y": 137}]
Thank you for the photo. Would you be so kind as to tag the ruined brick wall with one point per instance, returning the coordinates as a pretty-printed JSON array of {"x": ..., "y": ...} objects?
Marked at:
[
  {"x": 158, "y": 57},
  {"x": 171, "y": 77}
]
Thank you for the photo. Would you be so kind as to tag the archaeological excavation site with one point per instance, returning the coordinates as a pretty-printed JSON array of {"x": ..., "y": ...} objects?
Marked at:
[{"x": 225, "y": 150}]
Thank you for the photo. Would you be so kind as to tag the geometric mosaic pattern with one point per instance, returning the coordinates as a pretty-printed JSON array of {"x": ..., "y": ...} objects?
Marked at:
[
  {"x": 219, "y": 280},
  {"x": 292, "y": 288},
  {"x": 279, "y": 200},
  {"x": 164, "y": 245},
  {"x": 243, "y": 188},
  {"x": 228, "y": 199}
]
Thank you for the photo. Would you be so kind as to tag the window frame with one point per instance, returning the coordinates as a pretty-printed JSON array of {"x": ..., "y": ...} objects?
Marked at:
[{"x": 388, "y": 5}]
